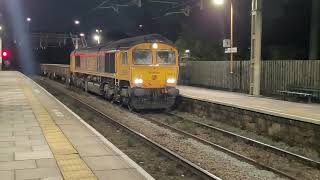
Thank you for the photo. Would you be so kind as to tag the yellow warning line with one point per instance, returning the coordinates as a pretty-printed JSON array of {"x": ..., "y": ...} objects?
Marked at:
[{"x": 70, "y": 164}]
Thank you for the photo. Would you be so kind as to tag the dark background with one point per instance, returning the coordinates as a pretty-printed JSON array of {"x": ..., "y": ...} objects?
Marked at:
[{"x": 286, "y": 25}]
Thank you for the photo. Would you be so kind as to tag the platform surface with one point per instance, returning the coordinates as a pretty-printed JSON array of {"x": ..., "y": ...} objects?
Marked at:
[
  {"x": 296, "y": 111},
  {"x": 40, "y": 138}
]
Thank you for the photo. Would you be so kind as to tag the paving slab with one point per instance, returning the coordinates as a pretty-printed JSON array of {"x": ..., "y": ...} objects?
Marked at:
[
  {"x": 37, "y": 173},
  {"x": 11, "y": 165},
  {"x": 7, "y": 175},
  {"x": 33, "y": 155}
]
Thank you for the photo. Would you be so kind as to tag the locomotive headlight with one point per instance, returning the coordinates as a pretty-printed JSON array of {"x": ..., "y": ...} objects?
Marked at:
[
  {"x": 138, "y": 81},
  {"x": 155, "y": 46},
  {"x": 171, "y": 81}
]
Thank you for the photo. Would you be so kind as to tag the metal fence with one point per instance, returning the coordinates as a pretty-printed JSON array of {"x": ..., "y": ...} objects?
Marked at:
[{"x": 276, "y": 75}]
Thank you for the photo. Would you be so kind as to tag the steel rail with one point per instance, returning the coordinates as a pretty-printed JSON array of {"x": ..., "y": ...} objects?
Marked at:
[
  {"x": 218, "y": 147},
  {"x": 267, "y": 147},
  {"x": 172, "y": 155}
]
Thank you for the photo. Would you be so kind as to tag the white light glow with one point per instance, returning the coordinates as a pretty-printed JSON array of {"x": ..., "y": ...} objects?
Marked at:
[
  {"x": 0, "y": 28},
  {"x": 82, "y": 34},
  {"x": 77, "y": 22},
  {"x": 29, "y": 19},
  {"x": 155, "y": 46},
  {"x": 96, "y": 37},
  {"x": 187, "y": 51},
  {"x": 138, "y": 81},
  {"x": 218, "y": 2},
  {"x": 171, "y": 81}
]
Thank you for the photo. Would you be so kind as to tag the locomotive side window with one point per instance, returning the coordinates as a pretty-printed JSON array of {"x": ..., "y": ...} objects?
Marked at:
[
  {"x": 110, "y": 63},
  {"x": 166, "y": 57},
  {"x": 124, "y": 57},
  {"x": 77, "y": 58},
  {"x": 142, "y": 56}
]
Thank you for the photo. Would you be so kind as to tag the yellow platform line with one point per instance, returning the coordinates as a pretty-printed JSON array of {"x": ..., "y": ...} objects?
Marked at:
[{"x": 70, "y": 163}]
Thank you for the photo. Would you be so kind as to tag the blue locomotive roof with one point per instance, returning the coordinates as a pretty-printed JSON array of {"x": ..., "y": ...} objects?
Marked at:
[{"x": 128, "y": 42}]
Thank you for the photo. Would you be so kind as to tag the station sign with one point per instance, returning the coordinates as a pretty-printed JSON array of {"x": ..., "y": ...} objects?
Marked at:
[
  {"x": 231, "y": 50},
  {"x": 226, "y": 43}
]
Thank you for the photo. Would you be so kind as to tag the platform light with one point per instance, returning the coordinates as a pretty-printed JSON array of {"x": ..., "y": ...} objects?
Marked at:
[
  {"x": 29, "y": 19},
  {"x": 218, "y": 2},
  {"x": 82, "y": 34},
  {"x": 0, "y": 28},
  {"x": 155, "y": 45},
  {"x": 76, "y": 22},
  {"x": 187, "y": 51}
]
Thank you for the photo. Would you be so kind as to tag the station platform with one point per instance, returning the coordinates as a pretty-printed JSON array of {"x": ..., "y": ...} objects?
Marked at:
[
  {"x": 297, "y": 111},
  {"x": 40, "y": 138}
]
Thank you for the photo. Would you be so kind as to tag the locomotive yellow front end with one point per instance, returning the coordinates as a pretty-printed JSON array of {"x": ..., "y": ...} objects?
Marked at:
[{"x": 154, "y": 74}]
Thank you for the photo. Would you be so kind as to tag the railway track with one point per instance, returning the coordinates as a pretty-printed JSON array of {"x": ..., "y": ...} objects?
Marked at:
[
  {"x": 163, "y": 150},
  {"x": 233, "y": 153},
  {"x": 252, "y": 142}
]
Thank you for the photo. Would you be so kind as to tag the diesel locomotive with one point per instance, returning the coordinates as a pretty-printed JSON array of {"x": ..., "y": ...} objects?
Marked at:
[{"x": 139, "y": 72}]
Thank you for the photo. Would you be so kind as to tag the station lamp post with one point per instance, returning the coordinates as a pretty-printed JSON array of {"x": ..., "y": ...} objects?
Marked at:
[
  {"x": 220, "y": 3},
  {"x": 28, "y": 23},
  {"x": 256, "y": 37}
]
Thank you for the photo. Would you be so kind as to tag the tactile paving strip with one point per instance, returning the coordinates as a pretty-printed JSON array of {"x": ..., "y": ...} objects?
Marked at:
[{"x": 70, "y": 164}]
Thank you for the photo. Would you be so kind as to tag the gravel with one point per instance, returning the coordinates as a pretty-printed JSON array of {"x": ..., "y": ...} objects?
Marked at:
[{"x": 292, "y": 167}]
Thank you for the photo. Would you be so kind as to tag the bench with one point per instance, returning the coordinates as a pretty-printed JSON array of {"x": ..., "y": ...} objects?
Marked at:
[{"x": 298, "y": 94}]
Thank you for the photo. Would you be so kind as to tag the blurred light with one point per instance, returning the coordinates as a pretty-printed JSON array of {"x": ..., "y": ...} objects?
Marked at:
[
  {"x": 218, "y": 2},
  {"x": 5, "y": 54},
  {"x": 29, "y": 19},
  {"x": 188, "y": 51},
  {"x": 0, "y": 28},
  {"x": 155, "y": 46},
  {"x": 96, "y": 37},
  {"x": 82, "y": 34},
  {"x": 138, "y": 81},
  {"x": 98, "y": 31},
  {"x": 171, "y": 81},
  {"x": 76, "y": 22},
  {"x": 140, "y": 26}
]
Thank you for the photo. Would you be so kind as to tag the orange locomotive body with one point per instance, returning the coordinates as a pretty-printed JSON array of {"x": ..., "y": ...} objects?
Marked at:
[{"x": 140, "y": 72}]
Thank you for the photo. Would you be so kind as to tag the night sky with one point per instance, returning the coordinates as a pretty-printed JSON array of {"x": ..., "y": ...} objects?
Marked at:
[{"x": 285, "y": 21}]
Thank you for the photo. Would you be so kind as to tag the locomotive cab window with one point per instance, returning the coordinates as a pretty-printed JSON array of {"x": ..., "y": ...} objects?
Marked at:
[
  {"x": 166, "y": 57},
  {"x": 124, "y": 57},
  {"x": 142, "y": 56}
]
